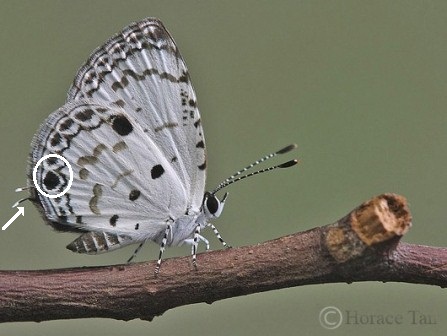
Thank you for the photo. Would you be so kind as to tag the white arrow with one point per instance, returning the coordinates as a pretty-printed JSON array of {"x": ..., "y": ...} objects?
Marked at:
[{"x": 13, "y": 218}]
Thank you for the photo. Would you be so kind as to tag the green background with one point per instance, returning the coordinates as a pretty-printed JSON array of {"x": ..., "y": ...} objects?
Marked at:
[{"x": 360, "y": 86}]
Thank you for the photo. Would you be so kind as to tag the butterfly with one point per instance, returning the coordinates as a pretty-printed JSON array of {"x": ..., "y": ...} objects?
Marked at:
[{"x": 132, "y": 134}]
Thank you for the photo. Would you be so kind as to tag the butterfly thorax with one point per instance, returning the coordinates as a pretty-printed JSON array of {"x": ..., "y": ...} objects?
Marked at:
[{"x": 182, "y": 229}]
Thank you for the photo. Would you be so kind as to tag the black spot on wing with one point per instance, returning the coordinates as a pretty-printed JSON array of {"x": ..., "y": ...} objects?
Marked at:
[
  {"x": 203, "y": 165},
  {"x": 200, "y": 144},
  {"x": 52, "y": 161},
  {"x": 120, "y": 84},
  {"x": 121, "y": 125},
  {"x": 84, "y": 115},
  {"x": 66, "y": 124},
  {"x": 197, "y": 123},
  {"x": 134, "y": 194},
  {"x": 157, "y": 171},
  {"x": 113, "y": 220},
  {"x": 184, "y": 77},
  {"x": 56, "y": 139},
  {"x": 51, "y": 180}
]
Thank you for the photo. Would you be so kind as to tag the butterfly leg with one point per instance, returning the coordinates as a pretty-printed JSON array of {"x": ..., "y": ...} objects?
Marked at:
[
  {"x": 136, "y": 252},
  {"x": 190, "y": 241},
  {"x": 207, "y": 243},
  {"x": 216, "y": 232},
  {"x": 162, "y": 248},
  {"x": 201, "y": 238},
  {"x": 195, "y": 244}
]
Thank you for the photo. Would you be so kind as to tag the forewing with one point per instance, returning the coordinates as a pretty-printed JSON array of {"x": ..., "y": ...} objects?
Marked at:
[{"x": 141, "y": 70}]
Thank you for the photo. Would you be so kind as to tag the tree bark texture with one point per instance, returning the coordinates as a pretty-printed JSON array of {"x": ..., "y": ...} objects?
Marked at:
[{"x": 362, "y": 246}]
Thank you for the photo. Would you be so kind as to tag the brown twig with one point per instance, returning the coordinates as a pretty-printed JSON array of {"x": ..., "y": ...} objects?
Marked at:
[{"x": 362, "y": 246}]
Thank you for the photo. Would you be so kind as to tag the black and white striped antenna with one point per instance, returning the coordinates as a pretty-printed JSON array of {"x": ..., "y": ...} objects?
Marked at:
[{"x": 236, "y": 176}]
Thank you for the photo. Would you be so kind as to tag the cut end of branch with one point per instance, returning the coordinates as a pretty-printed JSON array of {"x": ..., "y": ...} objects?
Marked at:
[
  {"x": 375, "y": 221},
  {"x": 381, "y": 218}
]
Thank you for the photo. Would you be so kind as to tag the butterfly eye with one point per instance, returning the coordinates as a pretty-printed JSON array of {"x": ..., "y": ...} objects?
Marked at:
[
  {"x": 212, "y": 204},
  {"x": 212, "y": 207}
]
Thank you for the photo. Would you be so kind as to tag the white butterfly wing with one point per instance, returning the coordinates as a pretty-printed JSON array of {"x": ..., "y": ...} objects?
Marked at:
[
  {"x": 122, "y": 182},
  {"x": 141, "y": 70}
]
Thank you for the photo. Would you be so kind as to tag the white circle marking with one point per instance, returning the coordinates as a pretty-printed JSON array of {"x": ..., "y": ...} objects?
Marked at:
[{"x": 70, "y": 180}]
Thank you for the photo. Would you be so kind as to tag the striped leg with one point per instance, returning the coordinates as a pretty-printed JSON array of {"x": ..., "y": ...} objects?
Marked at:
[
  {"x": 216, "y": 232},
  {"x": 162, "y": 248},
  {"x": 190, "y": 241},
  {"x": 194, "y": 246},
  {"x": 207, "y": 243},
  {"x": 136, "y": 252}
]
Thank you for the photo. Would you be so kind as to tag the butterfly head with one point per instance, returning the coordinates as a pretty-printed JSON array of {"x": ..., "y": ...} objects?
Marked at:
[{"x": 212, "y": 206}]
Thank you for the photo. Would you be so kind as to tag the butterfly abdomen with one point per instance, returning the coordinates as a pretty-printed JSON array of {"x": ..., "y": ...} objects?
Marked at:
[{"x": 98, "y": 242}]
